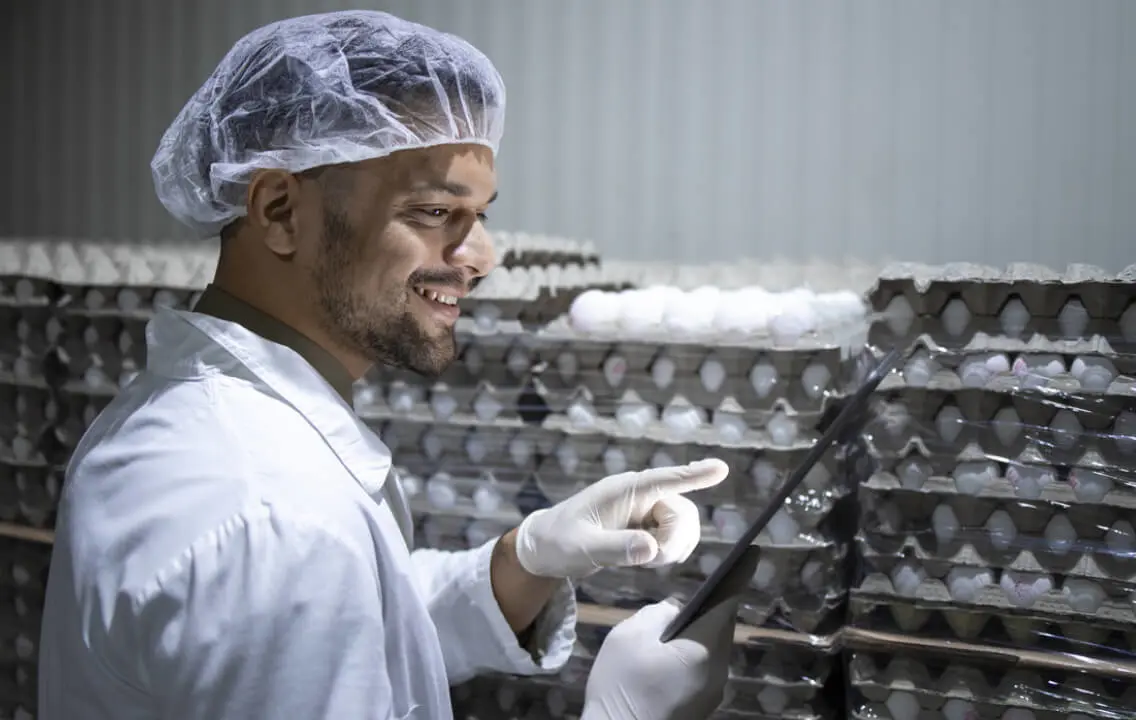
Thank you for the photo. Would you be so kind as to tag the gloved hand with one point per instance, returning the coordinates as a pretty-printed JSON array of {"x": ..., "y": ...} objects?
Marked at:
[
  {"x": 636, "y": 677},
  {"x": 634, "y": 518}
]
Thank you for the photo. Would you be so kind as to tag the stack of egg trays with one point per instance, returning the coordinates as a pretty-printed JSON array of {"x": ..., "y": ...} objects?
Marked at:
[
  {"x": 23, "y": 578},
  {"x": 101, "y": 348},
  {"x": 29, "y": 404},
  {"x": 469, "y": 479},
  {"x": 773, "y": 675},
  {"x": 1024, "y": 305},
  {"x": 1002, "y": 508},
  {"x": 895, "y": 678},
  {"x": 735, "y": 391}
]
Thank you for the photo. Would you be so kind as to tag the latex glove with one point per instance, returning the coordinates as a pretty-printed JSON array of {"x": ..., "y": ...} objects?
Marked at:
[
  {"x": 634, "y": 518},
  {"x": 636, "y": 677}
]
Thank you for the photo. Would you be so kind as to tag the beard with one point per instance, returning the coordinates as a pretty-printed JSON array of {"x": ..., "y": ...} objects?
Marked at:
[{"x": 381, "y": 327}]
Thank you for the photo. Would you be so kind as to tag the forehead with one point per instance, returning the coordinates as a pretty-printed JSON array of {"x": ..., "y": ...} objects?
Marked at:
[{"x": 463, "y": 171}]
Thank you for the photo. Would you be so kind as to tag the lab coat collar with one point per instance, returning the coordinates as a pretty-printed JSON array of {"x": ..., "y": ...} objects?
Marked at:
[{"x": 221, "y": 347}]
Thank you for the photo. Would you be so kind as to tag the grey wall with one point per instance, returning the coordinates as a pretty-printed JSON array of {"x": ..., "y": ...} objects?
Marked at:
[{"x": 934, "y": 130}]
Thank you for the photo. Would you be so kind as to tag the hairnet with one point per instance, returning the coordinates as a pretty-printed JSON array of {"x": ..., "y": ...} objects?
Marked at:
[{"x": 322, "y": 90}]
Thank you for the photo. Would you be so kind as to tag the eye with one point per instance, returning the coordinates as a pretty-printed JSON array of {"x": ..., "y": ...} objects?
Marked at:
[{"x": 483, "y": 218}]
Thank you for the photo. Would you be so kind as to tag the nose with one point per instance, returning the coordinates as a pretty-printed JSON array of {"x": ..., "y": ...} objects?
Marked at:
[{"x": 474, "y": 253}]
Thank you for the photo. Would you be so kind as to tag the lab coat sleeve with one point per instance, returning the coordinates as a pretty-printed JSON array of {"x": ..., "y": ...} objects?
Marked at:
[
  {"x": 267, "y": 618},
  {"x": 475, "y": 636}
]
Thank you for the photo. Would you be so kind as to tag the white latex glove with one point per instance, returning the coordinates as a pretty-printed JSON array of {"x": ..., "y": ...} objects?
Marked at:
[
  {"x": 634, "y": 518},
  {"x": 636, "y": 677}
]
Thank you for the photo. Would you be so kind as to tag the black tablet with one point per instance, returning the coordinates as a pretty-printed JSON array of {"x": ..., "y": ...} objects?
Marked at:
[{"x": 727, "y": 578}]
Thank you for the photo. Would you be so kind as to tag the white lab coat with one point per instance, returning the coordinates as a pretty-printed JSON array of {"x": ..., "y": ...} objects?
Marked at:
[{"x": 223, "y": 553}]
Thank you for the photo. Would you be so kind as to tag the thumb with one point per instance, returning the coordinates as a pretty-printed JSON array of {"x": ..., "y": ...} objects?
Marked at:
[{"x": 621, "y": 548}]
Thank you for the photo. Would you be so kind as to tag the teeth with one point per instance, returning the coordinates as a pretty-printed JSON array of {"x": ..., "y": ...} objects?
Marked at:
[{"x": 437, "y": 296}]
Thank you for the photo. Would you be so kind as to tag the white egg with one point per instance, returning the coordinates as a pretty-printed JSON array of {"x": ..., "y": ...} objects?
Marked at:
[
  {"x": 568, "y": 458},
  {"x": 1090, "y": 485},
  {"x": 766, "y": 477},
  {"x": 913, "y": 472},
  {"x": 965, "y": 583},
  {"x": 950, "y": 423},
  {"x": 783, "y": 529},
  {"x": 1095, "y": 374},
  {"x": 971, "y": 478},
  {"x": 907, "y": 577},
  {"x": 614, "y": 460},
  {"x": 1023, "y": 589},
  {"x": 773, "y": 700},
  {"x": 1015, "y": 318},
  {"x": 730, "y": 523},
  {"x": 634, "y": 418},
  {"x": 782, "y": 429},
  {"x": 955, "y": 317},
  {"x": 920, "y": 368},
  {"x": 1007, "y": 425},
  {"x": 731, "y": 314},
  {"x": 1124, "y": 432},
  {"x": 958, "y": 709},
  {"x": 1065, "y": 429},
  {"x": 1073, "y": 320},
  {"x": 973, "y": 371},
  {"x": 1084, "y": 596},
  {"x": 765, "y": 575},
  {"x": 1030, "y": 481},
  {"x": 440, "y": 492},
  {"x": 690, "y": 317},
  {"x": 487, "y": 499},
  {"x": 815, "y": 380},
  {"x": 945, "y": 524},
  {"x": 663, "y": 372},
  {"x": 520, "y": 451},
  {"x": 640, "y": 312},
  {"x": 476, "y": 448},
  {"x": 683, "y": 420},
  {"x": 567, "y": 365},
  {"x": 594, "y": 312},
  {"x": 708, "y": 563},
  {"x": 581, "y": 415},
  {"x": 730, "y": 427},
  {"x": 486, "y": 407},
  {"x": 795, "y": 320},
  {"x": 1060, "y": 535},
  {"x": 763, "y": 378},
  {"x": 899, "y": 315},
  {"x": 712, "y": 374},
  {"x": 614, "y": 370},
  {"x": 1121, "y": 538},
  {"x": 443, "y": 404},
  {"x": 486, "y": 316},
  {"x": 1001, "y": 529}
]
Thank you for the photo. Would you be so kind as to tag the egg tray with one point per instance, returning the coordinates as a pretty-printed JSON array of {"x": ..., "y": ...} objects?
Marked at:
[
  {"x": 1050, "y": 624},
  {"x": 1115, "y": 337},
  {"x": 703, "y": 376},
  {"x": 977, "y": 423},
  {"x": 29, "y": 495},
  {"x": 1009, "y": 480},
  {"x": 1091, "y": 541},
  {"x": 1043, "y": 372},
  {"x": 1006, "y": 589},
  {"x": 783, "y": 435},
  {"x": 954, "y": 687},
  {"x": 501, "y": 360},
  {"x": 486, "y": 404},
  {"x": 456, "y": 529},
  {"x": 511, "y": 449},
  {"x": 1042, "y": 290},
  {"x": 18, "y": 700}
]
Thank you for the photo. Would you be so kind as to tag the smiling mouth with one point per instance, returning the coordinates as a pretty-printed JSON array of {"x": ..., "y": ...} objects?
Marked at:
[{"x": 437, "y": 297}]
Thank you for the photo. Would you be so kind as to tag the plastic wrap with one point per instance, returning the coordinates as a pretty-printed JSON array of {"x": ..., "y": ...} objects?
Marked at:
[{"x": 996, "y": 545}]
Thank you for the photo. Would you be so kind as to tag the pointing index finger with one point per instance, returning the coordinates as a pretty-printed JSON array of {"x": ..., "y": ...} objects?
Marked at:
[{"x": 683, "y": 478}]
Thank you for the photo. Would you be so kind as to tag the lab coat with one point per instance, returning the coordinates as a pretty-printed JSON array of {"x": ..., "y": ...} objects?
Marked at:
[{"x": 223, "y": 552}]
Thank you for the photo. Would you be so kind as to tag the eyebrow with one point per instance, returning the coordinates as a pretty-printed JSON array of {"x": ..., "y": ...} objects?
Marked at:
[{"x": 449, "y": 188}]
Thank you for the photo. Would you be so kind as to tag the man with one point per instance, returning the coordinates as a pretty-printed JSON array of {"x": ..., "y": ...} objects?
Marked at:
[{"x": 232, "y": 542}]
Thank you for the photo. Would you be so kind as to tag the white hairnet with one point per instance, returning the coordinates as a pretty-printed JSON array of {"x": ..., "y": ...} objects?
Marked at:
[{"x": 322, "y": 90}]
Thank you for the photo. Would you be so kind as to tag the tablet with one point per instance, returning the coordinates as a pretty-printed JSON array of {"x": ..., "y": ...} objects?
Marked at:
[{"x": 728, "y": 578}]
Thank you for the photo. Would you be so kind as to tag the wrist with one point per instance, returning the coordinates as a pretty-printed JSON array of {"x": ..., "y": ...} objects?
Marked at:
[{"x": 520, "y": 594}]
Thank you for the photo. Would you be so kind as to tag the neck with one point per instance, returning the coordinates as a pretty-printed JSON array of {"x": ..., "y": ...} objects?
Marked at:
[{"x": 278, "y": 297}]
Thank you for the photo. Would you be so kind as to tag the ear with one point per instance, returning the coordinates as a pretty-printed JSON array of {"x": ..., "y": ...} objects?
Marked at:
[{"x": 273, "y": 206}]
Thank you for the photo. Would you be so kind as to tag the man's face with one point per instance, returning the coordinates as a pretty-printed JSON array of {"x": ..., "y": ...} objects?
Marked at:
[{"x": 403, "y": 239}]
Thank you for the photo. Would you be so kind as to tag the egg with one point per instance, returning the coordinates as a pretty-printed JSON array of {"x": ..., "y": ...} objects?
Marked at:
[{"x": 594, "y": 312}]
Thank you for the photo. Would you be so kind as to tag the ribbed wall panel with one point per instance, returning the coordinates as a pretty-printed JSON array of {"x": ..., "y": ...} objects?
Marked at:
[{"x": 932, "y": 130}]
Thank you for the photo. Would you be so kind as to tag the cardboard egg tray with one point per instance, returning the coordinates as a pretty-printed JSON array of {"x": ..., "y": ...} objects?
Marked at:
[
  {"x": 924, "y": 679},
  {"x": 1034, "y": 370},
  {"x": 1064, "y": 429},
  {"x": 1082, "y": 302},
  {"x": 29, "y": 494},
  {"x": 564, "y": 461},
  {"x": 703, "y": 376},
  {"x": 1095, "y": 542}
]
